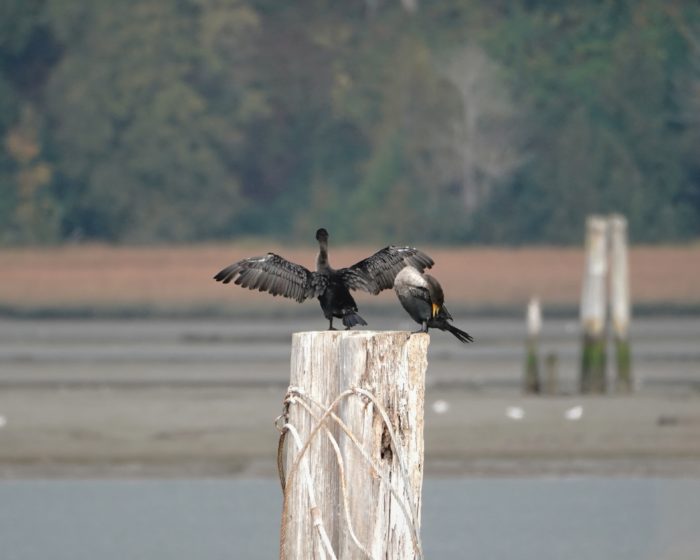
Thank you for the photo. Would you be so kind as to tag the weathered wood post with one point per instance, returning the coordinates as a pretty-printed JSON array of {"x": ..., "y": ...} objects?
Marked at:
[
  {"x": 532, "y": 359},
  {"x": 593, "y": 307},
  {"x": 353, "y": 477},
  {"x": 620, "y": 301},
  {"x": 551, "y": 378}
]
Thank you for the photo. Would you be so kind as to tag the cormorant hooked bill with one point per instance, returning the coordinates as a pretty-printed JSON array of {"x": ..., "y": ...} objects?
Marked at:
[
  {"x": 422, "y": 297},
  {"x": 278, "y": 276}
]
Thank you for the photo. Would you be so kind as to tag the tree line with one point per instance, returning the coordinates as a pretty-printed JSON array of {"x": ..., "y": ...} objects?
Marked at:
[{"x": 460, "y": 121}]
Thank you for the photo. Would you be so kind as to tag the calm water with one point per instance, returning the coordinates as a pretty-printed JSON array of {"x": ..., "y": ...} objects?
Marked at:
[{"x": 525, "y": 519}]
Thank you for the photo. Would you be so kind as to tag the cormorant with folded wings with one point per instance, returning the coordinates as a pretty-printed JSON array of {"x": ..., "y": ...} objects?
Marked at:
[
  {"x": 422, "y": 297},
  {"x": 280, "y": 277}
]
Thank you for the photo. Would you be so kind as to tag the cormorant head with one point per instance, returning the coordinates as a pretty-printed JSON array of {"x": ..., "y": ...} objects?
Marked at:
[{"x": 321, "y": 235}]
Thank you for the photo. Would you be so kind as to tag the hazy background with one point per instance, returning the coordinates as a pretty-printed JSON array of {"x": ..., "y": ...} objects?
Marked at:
[
  {"x": 146, "y": 144},
  {"x": 442, "y": 122}
]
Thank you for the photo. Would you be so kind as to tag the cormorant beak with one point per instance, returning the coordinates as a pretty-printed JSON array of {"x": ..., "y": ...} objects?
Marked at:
[{"x": 436, "y": 309}]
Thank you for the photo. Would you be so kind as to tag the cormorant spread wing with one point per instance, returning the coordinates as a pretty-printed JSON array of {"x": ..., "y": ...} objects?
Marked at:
[
  {"x": 377, "y": 272},
  {"x": 276, "y": 275}
]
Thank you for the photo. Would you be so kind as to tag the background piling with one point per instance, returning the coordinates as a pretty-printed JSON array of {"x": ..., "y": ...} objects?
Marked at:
[
  {"x": 532, "y": 360},
  {"x": 593, "y": 307},
  {"x": 620, "y": 302},
  {"x": 551, "y": 378}
]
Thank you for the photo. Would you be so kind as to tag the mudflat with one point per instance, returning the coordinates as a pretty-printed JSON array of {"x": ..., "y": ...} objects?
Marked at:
[
  {"x": 199, "y": 398},
  {"x": 222, "y": 431}
]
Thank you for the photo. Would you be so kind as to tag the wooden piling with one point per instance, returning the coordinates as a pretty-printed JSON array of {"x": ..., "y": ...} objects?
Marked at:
[
  {"x": 593, "y": 307},
  {"x": 620, "y": 302},
  {"x": 353, "y": 479},
  {"x": 532, "y": 361},
  {"x": 551, "y": 378}
]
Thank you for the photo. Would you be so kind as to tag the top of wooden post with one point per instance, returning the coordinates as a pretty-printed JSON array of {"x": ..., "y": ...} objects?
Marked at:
[
  {"x": 534, "y": 318},
  {"x": 593, "y": 296},
  {"x": 395, "y": 336},
  {"x": 415, "y": 344},
  {"x": 619, "y": 276}
]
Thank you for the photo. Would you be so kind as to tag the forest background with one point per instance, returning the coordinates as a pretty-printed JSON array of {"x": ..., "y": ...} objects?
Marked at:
[{"x": 451, "y": 122}]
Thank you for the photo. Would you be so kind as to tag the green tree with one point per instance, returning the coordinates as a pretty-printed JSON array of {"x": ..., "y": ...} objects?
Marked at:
[
  {"x": 28, "y": 209},
  {"x": 455, "y": 121},
  {"x": 145, "y": 113},
  {"x": 598, "y": 79}
]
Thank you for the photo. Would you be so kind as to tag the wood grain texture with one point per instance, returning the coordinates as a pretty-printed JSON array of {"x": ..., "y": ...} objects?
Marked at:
[{"x": 390, "y": 366}]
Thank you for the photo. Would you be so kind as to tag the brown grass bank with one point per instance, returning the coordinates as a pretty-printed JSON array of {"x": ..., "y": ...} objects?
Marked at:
[{"x": 179, "y": 278}]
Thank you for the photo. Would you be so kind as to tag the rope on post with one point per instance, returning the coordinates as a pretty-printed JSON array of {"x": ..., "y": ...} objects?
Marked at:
[{"x": 297, "y": 396}]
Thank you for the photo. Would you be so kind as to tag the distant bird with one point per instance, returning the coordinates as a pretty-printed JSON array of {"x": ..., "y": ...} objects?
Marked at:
[
  {"x": 422, "y": 297},
  {"x": 515, "y": 413},
  {"x": 574, "y": 413},
  {"x": 278, "y": 276}
]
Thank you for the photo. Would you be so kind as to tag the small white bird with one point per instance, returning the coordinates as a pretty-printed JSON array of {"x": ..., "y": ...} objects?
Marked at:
[
  {"x": 440, "y": 407},
  {"x": 574, "y": 413},
  {"x": 515, "y": 413}
]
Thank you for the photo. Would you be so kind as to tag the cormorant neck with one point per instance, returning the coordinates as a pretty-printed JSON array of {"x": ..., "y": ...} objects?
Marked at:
[{"x": 322, "y": 258}]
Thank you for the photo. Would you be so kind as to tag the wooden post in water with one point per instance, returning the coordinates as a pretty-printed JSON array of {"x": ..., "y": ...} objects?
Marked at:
[
  {"x": 353, "y": 479},
  {"x": 532, "y": 358},
  {"x": 551, "y": 378},
  {"x": 593, "y": 307},
  {"x": 620, "y": 301}
]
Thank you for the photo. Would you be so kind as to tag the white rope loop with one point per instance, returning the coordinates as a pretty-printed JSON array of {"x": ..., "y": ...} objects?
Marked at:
[
  {"x": 297, "y": 396},
  {"x": 309, "y": 483}
]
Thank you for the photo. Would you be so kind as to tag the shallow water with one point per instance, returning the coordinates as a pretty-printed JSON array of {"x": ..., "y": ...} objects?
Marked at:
[
  {"x": 256, "y": 352},
  {"x": 525, "y": 519}
]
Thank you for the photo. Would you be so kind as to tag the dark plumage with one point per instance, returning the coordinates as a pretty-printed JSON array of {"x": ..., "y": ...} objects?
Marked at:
[
  {"x": 280, "y": 277},
  {"x": 422, "y": 297}
]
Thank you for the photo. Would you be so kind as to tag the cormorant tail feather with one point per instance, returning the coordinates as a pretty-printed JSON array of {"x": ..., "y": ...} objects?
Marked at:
[
  {"x": 445, "y": 326},
  {"x": 459, "y": 334},
  {"x": 352, "y": 319}
]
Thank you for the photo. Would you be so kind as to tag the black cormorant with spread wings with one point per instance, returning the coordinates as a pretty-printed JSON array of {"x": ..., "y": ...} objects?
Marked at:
[
  {"x": 422, "y": 297},
  {"x": 280, "y": 277}
]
